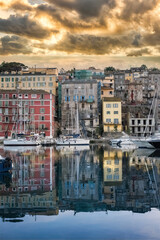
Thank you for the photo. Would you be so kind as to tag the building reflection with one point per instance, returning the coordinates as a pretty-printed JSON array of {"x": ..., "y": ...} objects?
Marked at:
[
  {"x": 45, "y": 181},
  {"x": 33, "y": 188}
]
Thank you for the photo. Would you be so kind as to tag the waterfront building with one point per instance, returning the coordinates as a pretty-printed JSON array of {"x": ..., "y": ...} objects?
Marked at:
[
  {"x": 140, "y": 126},
  {"x": 27, "y": 111},
  {"x": 84, "y": 95},
  {"x": 45, "y": 80},
  {"x": 112, "y": 115}
]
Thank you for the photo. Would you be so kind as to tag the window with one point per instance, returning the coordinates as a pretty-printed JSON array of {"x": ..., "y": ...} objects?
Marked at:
[
  {"x": 109, "y": 177},
  {"x": 115, "y": 105},
  {"x": 32, "y": 103},
  {"x": 25, "y": 95},
  {"x": 42, "y": 96},
  {"x": 116, "y": 177},
  {"x": 101, "y": 92},
  {"x": 82, "y": 105},
  {"x": 139, "y": 121},
  {"x": 50, "y": 84},
  {"x": 1, "y": 96},
  {"x": 7, "y": 96},
  {"x": 150, "y": 122},
  {"x": 108, "y": 112},
  {"x": 91, "y": 106},
  {"x": 108, "y": 120},
  {"x": 108, "y": 162},
  {"x": 132, "y": 122},
  {"x": 50, "y": 79},
  {"x": 0, "y": 118},
  {"x": 115, "y": 112},
  {"x": 116, "y": 161},
  {"x": 42, "y": 103},
  {"x": 33, "y": 95},
  {"x": 0, "y": 110},
  {"x": 108, "y": 105},
  {"x": 6, "y": 111},
  {"x": 6, "y": 103},
  {"x": 116, "y": 121},
  {"x": 6, "y": 119},
  {"x": 108, "y": 170},
  {"x": 42, "y": 118},
  {"x": 42, "y": 110},
  {"x": 20, "y": 95},
  {"x": 2, "y": 85},
  {"x": 110, "y": 92},
  {"x": 116, "y": 170}
]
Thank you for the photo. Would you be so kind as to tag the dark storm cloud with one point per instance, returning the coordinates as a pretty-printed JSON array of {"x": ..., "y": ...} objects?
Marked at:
[
  {"x": 136, "y": 41},
  {"x": 57, "y": 16},
  {"x": 86, "y": 8},
  {"x": 138, "y": 53},
  {"x": 14, "y": 45},
  {"x": 90, "y": 44},
  {"x": 23, "y": 25}
]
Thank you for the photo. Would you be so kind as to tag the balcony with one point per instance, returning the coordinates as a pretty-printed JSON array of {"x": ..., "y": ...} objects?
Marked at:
[{"x": 89, "y": 100}]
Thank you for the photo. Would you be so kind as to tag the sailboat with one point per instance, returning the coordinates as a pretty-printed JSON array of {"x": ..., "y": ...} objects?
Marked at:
[
  {"x": 21, "y": 139},
  {"x": 75, "y": 139}
]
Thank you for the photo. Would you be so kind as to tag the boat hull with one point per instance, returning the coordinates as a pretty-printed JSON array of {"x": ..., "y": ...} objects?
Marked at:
[
  {"x": 72, "y": 142},
  {"x": 155, "y": 143},
  {"x": 16, "y": 142}
]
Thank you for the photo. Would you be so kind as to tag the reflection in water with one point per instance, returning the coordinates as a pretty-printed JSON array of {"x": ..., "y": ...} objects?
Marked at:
[{"x": 45, "y": 181}]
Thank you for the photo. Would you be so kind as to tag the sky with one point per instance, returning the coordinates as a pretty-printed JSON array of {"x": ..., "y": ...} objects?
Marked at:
[{"x": 80, "y": 33}]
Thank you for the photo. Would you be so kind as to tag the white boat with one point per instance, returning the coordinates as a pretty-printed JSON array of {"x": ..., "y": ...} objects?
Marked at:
[
  {"x": 72, "y": 141},
  {"x": 115, "y": 141},
  {"x": 21, "y": 142}
]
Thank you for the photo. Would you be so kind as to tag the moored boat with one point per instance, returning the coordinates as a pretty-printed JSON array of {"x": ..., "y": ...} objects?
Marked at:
[{"x": 5, "y": 164}]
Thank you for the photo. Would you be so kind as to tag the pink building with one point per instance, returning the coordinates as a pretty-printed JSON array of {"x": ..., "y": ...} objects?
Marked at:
[{"x": 26, "y": 111}]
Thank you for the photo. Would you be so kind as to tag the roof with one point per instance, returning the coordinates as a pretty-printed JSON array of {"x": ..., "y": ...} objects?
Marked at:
[
  {"x": 25, "y": 74},
  {"x": 23, "y": 91},
  {"x": 79, "y": 81},
  {"x": 111, "y": 99}
]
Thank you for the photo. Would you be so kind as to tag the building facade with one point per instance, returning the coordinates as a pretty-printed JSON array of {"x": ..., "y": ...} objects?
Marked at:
[
  {"x": 112, "y": 116},
  {"x": 26, "y": 111},
  {"x": 29, "y": 80},
  {"x": 79, "y": 98}
]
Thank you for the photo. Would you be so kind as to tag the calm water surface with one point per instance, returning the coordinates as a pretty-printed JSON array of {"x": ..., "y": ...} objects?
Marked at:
[{"x": 80, "y": 193}]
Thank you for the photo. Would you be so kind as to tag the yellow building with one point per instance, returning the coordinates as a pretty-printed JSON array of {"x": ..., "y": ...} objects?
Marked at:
[
  {"x": 112, "y": 114},
  {"x": 29, "y": 80},
  {"x": 129, "y": 76}
]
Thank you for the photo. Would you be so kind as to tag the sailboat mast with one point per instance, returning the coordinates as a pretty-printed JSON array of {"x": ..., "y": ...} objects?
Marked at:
[
  {"x": 77, "y": 117},
  {"x": 51, "y": 115}
]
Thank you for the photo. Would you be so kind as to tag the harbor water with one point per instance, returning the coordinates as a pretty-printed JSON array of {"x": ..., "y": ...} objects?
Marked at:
[{"x": 79, "y": 193}]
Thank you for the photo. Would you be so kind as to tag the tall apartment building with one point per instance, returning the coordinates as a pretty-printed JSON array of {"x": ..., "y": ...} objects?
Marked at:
[
  {"x": 26, "y": 111},
  {"x": 84, "y": 94}
]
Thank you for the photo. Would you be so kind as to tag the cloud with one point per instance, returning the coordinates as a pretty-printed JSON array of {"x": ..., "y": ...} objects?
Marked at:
[
  {"x": 24, "y": 26},
  {"x": 138, "y": 7},
  {"x": 141, "y": 52},
  {"x": 14, "y": 45},
  {"x": 91, "y": 44},
  {"x": 85, "y": 8}
]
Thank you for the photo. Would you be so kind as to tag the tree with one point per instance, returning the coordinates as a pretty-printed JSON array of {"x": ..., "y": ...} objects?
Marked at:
[
  {"x": 143, "y": 66},
  {"x": 109, "y": 69},
  {"x": 11, "y": 66}
]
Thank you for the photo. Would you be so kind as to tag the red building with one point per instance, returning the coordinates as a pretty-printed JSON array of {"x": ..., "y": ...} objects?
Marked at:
[{"x": 27, "y": 111}]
